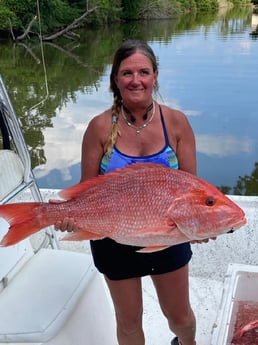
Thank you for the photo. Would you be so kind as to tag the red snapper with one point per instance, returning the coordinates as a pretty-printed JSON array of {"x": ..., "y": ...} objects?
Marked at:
[{"x": 144, "y": 204}]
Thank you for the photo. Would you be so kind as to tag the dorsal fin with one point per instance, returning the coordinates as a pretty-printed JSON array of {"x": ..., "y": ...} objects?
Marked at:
[{"x": 75, "y": 190}]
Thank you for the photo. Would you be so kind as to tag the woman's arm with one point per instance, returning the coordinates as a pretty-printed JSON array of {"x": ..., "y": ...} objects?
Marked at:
[
  {"x": 186, "y": 147},
  {"x": 181, "y": 138},
  {"x": 93, "y": 147}
]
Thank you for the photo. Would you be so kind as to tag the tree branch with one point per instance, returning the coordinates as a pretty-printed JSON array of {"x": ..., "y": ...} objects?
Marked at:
[
  {"x": 29, "y": 50},
  {"x": 21, "y": 37},
  {"x": 11, "y": 29},
  {"x": 60, "y": 33},
  {"x": 70, "y": 27}
]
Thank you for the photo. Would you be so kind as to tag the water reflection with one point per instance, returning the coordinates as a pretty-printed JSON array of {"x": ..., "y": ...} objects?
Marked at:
[{"x": 208, "y": 69}]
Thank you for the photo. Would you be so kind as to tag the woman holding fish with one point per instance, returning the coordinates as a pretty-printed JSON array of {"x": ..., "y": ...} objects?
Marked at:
[
  {"x": 139, "y": 217},
  {"x": 137, "y": 129}
]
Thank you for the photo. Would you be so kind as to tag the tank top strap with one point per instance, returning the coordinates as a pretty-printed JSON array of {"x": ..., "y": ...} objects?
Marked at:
[{"x": 164, "y": 126}]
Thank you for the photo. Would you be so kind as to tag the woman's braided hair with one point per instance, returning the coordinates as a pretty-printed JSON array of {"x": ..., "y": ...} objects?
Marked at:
[{"x": 128, "y": 48}]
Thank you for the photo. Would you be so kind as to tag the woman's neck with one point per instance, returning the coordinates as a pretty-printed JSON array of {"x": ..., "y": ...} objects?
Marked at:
[{"x": 143, "y": 114}]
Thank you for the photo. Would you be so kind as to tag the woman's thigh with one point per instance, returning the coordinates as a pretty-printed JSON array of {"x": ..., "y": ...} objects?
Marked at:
[
  {"x": 127, "y": 298},
  {"x": 173, "y": 292}
]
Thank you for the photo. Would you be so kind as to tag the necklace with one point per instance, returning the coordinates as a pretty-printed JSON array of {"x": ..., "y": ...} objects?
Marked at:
[
  {"x": 139, "y": 128},
  {"x": 144, "y": 117}
]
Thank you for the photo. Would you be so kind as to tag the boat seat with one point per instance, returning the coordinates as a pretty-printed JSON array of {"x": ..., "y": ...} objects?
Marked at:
[
  {"x": 39, "y": 300},
  {"x": 11, "y": 173},
  {"x": 16, "y": 174}
]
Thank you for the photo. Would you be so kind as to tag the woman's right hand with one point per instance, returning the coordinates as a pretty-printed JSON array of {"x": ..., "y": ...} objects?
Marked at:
[{"x": 67, "y": 224}]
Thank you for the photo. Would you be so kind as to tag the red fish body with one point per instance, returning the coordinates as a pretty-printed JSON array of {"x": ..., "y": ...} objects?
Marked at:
[
  {"x": 144, "y": 204},
  {"x": 248, "y": 327}
]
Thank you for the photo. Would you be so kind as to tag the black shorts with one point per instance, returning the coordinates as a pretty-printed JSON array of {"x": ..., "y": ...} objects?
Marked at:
[{"x": 118, "y": 261}]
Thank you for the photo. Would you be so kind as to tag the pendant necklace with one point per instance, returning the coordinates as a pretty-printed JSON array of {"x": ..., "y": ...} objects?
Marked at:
[{"x": 138, "y": 128}]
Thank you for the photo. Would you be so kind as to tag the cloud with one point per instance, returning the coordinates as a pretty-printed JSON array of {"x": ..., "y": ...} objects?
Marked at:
[
  {"x": 192, "y": 112},
  {"x": 63, "y": 141},
  {"x": 223, "y": 145}
]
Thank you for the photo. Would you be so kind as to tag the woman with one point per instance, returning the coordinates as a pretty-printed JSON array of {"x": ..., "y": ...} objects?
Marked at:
[{"x": 138, "y": 129}]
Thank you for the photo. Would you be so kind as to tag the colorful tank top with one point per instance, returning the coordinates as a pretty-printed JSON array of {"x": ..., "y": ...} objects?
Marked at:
[{"x": 117, "y": 159}]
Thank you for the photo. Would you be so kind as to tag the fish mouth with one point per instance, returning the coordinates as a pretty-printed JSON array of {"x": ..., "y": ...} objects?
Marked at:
[{"x": 238, "y": 224}]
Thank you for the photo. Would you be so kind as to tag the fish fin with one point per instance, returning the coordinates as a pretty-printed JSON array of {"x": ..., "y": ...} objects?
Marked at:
[
  {"x": 73, "y": 191},
  {"x": 23, "y": 220},
  {"x": 82, "y": 235},
  {"x": 132, "y": 169},
  {"x": 162, "y": 236},
  {"x": 153, "y": 231},
  {"x": 152, "y": 249}
]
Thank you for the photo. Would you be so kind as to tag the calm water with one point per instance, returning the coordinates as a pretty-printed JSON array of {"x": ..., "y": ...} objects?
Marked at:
[{"x": 208, "y": 68}]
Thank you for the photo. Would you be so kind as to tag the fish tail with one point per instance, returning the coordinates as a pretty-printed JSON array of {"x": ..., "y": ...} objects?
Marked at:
[{"x": 23, "y": 219}]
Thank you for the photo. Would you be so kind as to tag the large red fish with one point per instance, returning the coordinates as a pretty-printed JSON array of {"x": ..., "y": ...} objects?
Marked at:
[{"x": 144, "y": 204}]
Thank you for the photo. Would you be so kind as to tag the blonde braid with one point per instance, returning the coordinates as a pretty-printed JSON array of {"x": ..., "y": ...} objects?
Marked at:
[{"x": 115, "y": 132}]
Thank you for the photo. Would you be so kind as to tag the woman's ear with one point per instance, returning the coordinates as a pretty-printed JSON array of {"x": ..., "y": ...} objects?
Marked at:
[
  {"x": 156, "y": 73},
  {"x": 115, "y": 79}
]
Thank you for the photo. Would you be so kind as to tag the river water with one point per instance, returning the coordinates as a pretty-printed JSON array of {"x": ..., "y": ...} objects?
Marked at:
[{"x": 208, "y": 68}]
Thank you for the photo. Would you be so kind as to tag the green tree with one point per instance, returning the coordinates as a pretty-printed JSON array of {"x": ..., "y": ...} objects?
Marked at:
[
  {"x": 206, "y": 5},
  {"x": 106, "y": 12},
  {"x": 56, "y": 14},
  {"x": 187, "y": 6},
  {"x": 248, "y": 185},
  {"x": 53, "y": 13}
]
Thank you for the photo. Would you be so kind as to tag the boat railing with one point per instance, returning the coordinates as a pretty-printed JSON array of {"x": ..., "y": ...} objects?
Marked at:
[{"x": 16, "y": 173}]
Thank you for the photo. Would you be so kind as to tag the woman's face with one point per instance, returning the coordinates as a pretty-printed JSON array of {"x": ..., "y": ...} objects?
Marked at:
[{"x": 136, "y": 79}]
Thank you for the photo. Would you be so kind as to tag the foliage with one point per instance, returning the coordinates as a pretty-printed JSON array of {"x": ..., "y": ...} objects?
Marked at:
[
  {"x": 23, "y": 11},
  {"x": 155, "y": 9},
  {"x": 130, "y": 9},
  {"x": 248, "y": 185},
  {"x": 206, "y": 5},
  {"x": 56, "y": 14},
  {"x": 106, "y": 12},
  {"x": 187, "y": 6},
  {"x": 7, "y": 16},
  {"x": 14, "y": 13},
  {"x": 240, "y": 2}
]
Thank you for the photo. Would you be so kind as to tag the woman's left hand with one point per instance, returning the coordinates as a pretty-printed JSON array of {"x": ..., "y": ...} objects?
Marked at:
[{"x": 206, "y": 240}]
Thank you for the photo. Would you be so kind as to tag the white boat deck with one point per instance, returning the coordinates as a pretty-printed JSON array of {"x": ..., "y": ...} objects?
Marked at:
[{"x": 207, "y": 272}]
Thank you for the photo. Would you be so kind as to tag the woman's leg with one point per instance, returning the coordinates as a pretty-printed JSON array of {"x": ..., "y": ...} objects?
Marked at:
[
  {"x": 173, "y": 293},
  {"x": 127, "y": 298}
]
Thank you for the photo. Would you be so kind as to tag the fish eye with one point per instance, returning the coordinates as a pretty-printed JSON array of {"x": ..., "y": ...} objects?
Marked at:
[{"x": 210, "y": 201}]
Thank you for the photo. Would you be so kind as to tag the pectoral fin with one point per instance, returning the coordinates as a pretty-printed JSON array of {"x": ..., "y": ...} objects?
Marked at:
[
  {"x": 154, "y": 239},
  {"x": 152, "y": 249},
  {"x": 82, "y": 235},
  {"x": 156, "y": 231}
]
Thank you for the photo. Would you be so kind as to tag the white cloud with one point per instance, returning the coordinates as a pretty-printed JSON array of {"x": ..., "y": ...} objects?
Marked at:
[
  {"x": 223, "y": 145},
  {"x": 192, "y": 112},
  {"x": 63, "y": 141}
]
